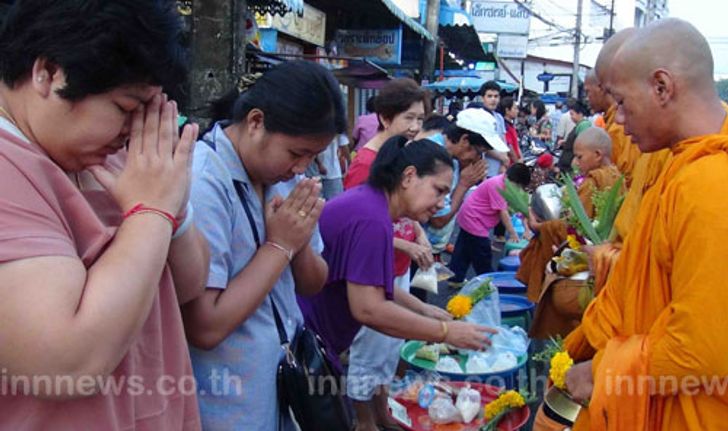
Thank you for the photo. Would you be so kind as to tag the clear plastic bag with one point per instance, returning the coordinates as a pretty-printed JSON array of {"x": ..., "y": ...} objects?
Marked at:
[
  {"x": 443, "y": 411},
  {"x": 468, "y": 404},
  {"x": 427, "y": 279},
  {"x": 487, "y": 311}
]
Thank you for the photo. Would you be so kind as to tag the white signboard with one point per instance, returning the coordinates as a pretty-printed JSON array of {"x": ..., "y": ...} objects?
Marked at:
[
  {"x": 512, "y": 46},
  {"x": 500, "y": 17},
  {"x": 410, "y": 7}
]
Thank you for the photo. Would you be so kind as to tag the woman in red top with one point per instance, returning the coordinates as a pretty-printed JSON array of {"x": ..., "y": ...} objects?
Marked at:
[{"x": 508, "y": 108}]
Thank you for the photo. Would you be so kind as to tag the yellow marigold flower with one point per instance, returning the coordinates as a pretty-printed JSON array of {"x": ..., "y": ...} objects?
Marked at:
[
  {"x": 574, "y": 243},
  {"x": 560, "y": 364},
  {"x": 460, "y": 306},
  {"x": 513, "y": 399},
  {"x": 493, "y": 408},
  {"x": 506, "y": 400}
]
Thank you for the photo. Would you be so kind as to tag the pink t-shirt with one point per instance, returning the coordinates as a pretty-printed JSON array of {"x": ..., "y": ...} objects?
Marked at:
[
  {"x": 480, "y": 211},
  {"x": 42, "y": 213}
]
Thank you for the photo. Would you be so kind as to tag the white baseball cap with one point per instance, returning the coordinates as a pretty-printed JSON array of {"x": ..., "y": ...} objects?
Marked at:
[{"x": 482, "y": 122}]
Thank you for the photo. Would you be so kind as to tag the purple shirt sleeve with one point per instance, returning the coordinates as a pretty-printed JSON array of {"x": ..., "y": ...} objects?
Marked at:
[{"x": 370, "y": 247}]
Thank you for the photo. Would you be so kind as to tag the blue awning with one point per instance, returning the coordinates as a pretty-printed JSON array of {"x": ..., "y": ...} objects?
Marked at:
[
  {"x": 273, "y": 7},
  {"x": 409, "y": 22},
  {"x": 454, "y": 16},
  {"x": 465, "y": 86},
  {"x": 459, "y": 35}
]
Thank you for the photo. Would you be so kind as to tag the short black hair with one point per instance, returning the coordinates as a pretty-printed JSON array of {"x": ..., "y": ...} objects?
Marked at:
[
  {"x": 435, "y": 122},
  {"x": 99, "y": 44},
  {"x": 298, "y": 98},
  {"x": 579, "y": 107},
  {"x": 505, "y": 104},
  {"x": 370, "y": 104},
  {"x": 454, "y": 133},
  {"x": 397, "y": 154},
  {"x": 397, "y": 96},
  {"x": 490, "y": 85},
  {"x": 519, "y": 173}
]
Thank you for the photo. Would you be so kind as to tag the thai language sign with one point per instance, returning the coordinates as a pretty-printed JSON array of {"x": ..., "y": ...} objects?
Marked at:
[
  {"x": 379, "y": 46},
  {"x": 310, "y": 27},
  {"x": 500, "y": 17}
]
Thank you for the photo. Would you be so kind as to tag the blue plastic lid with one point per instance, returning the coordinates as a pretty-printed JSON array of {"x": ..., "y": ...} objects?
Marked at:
[
  {"x": 514, "y": 305},
  {"x": 510, "y": 260}
]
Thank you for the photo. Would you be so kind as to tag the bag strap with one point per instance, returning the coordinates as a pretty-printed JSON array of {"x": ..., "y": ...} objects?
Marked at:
[{"x": 240, "y": 190}]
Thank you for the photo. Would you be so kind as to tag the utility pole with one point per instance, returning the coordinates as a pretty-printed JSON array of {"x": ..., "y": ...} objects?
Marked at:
[
  {"x": 431, "y": 23},
  {"x": 577, "y": 43},
  {"x": 611, "y": 22}
]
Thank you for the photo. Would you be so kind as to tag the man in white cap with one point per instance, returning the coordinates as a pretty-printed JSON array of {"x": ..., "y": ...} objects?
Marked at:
[
  {"x": 466, "y": 144},
  {"x": 484, "y": 208}
]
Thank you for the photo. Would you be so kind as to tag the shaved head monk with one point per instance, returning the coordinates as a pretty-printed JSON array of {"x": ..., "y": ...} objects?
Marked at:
[
  {"x": 624, "y": 154},
  {"x": 599, "y": 100},
  {"x": 658, "y": 326},
  {"x": 558, "y": 310}
]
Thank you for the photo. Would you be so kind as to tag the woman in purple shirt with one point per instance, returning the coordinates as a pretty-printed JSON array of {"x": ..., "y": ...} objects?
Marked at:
[{"x": 406, "y": 180}]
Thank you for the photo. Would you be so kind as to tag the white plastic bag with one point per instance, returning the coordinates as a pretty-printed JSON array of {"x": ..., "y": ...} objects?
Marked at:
[
  {"x": 447, "y": 364},
  {"x": 443, "y": 411},
  {"x": 427, "y": 279},
  {"x": 468, "y": 404}
]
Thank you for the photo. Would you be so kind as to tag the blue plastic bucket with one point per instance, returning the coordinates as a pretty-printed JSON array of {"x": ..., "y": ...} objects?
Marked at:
[
  {"x": 516, "y": 311},
  {"x": 509, "y": 263},
  {"x": 506, "y": 282}
]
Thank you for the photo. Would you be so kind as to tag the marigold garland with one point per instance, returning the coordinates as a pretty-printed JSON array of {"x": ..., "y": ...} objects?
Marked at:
[
  {"x": 574, "y": 243},
  {"x": 561, "y": 362}
]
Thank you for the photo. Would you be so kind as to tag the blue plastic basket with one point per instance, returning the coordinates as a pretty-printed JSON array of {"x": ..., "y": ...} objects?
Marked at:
[
  {"x": 509, "y": 263},
  {"x": 506, "y": 282},
  {"x": 516, "y": 311}
]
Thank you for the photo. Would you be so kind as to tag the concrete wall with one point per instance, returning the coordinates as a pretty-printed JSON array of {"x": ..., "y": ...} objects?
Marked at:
[{"x": 217, "y": 51}]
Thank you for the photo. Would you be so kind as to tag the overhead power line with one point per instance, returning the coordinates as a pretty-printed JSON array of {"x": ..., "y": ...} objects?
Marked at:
[{"x": 539, "y": 16}]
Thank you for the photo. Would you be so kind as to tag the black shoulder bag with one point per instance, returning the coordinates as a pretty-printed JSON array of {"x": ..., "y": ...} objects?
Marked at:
[{"x": 308, "y": 382}]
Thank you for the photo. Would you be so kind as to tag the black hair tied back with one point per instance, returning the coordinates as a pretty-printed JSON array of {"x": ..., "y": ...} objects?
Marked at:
[{"x": 397, "y": 154}]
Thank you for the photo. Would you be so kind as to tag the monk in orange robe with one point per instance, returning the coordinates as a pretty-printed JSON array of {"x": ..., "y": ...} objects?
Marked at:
[
  {"x": 558, "y": 309},
  {"x": 657, "y": 327}
]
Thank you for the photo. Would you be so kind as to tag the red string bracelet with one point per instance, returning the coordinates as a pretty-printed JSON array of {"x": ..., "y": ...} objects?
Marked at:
[{"x": 140, "y": 208}]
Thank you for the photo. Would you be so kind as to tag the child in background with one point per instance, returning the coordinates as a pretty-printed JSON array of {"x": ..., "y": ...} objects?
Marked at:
[
  {"x": 543, "y": 172},
  {"x": 482, "y": 211}
]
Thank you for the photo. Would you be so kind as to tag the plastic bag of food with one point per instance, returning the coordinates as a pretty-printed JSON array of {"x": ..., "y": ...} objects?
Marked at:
[
  {"x": 448, "y": 364},
  {"x": 427, "y": 279},
  {"x": 443, "y": 411},
  {"x": 468, "y": 404},
  {"x": 429, "y": 352}
]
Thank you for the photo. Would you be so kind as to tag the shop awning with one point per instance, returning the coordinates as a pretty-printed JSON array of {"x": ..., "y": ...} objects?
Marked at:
[
  {"x": 459, "y": 35},
  {"x": 362, "y": 74},
  {"x": 409, "y": 22},
  {"x": 465, "y": 86},
  {"x": 273, "y": 7}
]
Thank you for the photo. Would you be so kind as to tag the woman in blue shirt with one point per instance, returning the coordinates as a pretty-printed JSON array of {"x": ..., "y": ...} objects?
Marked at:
[{"x": 259, "y": 216}]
